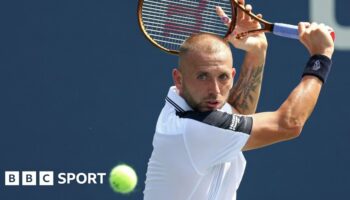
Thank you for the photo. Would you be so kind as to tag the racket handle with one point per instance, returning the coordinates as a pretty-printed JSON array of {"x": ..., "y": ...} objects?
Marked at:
[
  {"x": 290, "y": 31},
  {"x": 285, "y": 30}
]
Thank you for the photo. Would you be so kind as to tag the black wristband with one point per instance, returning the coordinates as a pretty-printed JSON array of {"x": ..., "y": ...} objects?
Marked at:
[{"x": 319, "y": 66}]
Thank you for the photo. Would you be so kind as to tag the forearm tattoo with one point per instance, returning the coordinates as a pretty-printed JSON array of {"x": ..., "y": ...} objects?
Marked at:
[{"x": 245, "y": 93}]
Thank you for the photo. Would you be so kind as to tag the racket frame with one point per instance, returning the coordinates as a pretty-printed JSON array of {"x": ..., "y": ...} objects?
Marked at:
[{"x": 268, "y": 26}]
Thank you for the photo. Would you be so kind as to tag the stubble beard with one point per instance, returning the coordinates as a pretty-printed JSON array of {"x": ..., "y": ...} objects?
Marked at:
[{"x": 197, "y": 105}]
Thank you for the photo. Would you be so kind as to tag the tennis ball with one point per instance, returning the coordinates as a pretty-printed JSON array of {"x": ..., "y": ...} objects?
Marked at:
[{"x": 123, "y": 179}]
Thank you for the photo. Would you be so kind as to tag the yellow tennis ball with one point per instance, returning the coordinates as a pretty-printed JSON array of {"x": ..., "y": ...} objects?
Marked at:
[{"x": 123, "y": 179}]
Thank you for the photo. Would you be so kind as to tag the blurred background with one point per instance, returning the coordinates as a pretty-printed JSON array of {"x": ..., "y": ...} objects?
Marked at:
[{"x": 81, "y": 89}]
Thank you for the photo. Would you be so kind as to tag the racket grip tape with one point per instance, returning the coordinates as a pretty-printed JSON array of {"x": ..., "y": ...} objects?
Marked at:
[
  {"x": 286, "y": 30},
  {"x": 290, "y": 31}
]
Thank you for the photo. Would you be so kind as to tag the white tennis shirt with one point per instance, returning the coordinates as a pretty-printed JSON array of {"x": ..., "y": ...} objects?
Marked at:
[{"x": 191, "y": 159}]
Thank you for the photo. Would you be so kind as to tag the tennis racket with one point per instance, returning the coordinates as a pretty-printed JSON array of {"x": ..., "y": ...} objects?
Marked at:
[{"x": 168, "y": 23}]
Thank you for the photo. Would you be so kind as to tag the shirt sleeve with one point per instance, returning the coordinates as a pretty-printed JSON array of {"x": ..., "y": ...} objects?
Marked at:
[{"x": 214, "y": 137}]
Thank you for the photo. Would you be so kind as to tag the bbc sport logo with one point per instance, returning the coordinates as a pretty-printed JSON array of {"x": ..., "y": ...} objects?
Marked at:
[{"x": 47, "y": 178}]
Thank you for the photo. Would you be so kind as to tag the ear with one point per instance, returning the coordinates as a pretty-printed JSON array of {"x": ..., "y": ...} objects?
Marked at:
[
  {"x": 233, "y": 76},
  {"x": 177, "y": 78},
  {"x": 233, "y": 72}
]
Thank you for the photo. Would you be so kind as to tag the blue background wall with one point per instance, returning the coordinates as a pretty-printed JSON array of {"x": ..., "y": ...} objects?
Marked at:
[{"x": 81, "y": 89}]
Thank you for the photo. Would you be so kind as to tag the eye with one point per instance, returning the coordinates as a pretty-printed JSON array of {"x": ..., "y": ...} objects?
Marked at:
[
  {"x": 224, "y": 77},
  {"x": 202, "y": 76}
]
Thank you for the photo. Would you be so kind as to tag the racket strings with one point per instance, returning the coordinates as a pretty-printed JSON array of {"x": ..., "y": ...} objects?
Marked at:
[
  {"x": 150, "y": 11},
  {"x": 210, "y": 24},
  {"x": 170, "y": 22},
  {"x": 149, "y": 16},
  {"x": 189, "y": 7}
]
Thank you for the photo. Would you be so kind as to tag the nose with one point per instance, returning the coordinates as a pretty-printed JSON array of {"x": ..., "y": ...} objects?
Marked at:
[{"x": 214, "y": 88}]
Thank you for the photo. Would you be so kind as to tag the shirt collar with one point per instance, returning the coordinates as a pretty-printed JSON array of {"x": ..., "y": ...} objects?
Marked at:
[{"x": 176, "y": 100}]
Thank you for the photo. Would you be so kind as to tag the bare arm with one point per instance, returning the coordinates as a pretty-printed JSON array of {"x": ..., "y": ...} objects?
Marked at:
[
  {"x": 244, "y": 95},
  {"x": 287, "y": 122}
]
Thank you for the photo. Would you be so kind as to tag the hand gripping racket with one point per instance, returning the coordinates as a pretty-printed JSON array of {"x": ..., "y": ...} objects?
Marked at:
[{"x": 168, "y": 23}]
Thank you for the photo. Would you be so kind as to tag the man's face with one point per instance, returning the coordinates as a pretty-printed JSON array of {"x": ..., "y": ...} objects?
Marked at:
[{"x": 205, "y": 80}]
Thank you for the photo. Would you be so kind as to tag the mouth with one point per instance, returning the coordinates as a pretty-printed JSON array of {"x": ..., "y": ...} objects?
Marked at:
[{"x": 213, "y": 104}]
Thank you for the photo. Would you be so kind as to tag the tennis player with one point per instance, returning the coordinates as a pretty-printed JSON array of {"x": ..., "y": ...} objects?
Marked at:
[{"x": 204, "y": 127}]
